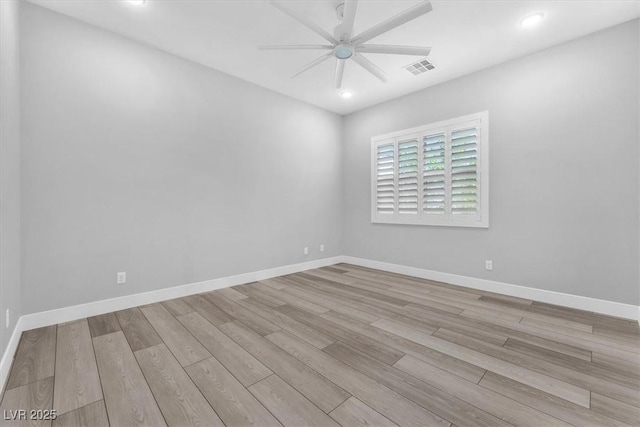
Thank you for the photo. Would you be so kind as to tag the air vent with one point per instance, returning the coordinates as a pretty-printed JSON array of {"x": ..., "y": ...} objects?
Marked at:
[{"x": 420, "y": 67}]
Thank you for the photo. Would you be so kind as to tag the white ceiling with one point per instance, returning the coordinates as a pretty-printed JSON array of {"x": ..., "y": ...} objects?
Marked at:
[{"x": 465, "y": 36}]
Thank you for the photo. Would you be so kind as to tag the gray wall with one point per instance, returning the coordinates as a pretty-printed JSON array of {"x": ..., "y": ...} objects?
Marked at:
[
  {"x": 135, "y": 160},
  {"x": 564, "y": 171},
  {"x": 9, "y": 168}
]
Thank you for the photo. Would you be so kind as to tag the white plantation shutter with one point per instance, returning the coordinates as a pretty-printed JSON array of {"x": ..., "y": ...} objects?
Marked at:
[
  {"x": 433, "y": 175},
  {"x": 408, "y": 161},
  {"x": 464, "y": 171},
  {"x": 385, "y": 179}
]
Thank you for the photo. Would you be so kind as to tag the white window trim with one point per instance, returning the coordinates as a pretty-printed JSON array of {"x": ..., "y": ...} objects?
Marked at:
[{"x": 480, "y": 221}]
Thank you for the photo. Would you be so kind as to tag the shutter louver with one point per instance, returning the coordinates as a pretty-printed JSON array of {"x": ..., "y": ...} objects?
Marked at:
[
  {"x": 464, "y": 172},
  {"x": 408, "y": 177},
  {"x": 385, "y": 184},
  {"x": 434, "y": 192}
]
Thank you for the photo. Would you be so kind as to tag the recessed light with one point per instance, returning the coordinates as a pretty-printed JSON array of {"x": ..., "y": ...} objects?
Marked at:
[
  {"x": 531, "y": 20},
  {"x": 346, "y": 94},
  {"x": 137, "y": 2}
]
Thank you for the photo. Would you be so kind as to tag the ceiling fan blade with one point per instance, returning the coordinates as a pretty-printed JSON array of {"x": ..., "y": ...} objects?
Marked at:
[
  {"x": 396, "y": 50},
  {"x": 304, "y": 21},
  {"x": 313, "y": 64},
  {"x": 391, "y": 23},
  {"x": 339, "y": 72},
  {"x": 370, "y": 67},
  {"x": 348, "y": 17},
  {"x": 295, "y": 46}
]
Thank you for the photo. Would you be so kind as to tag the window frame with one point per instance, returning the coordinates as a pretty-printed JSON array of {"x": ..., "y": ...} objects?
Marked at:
[{"x": 479, "y": 220}]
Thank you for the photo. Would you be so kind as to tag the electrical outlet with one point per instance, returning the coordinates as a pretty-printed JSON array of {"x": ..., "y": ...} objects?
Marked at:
[
  {"x": 305, "y": 251},
  {"x": 7, "y": 315},
  {"x": 488, "y": 265},
  {"x": 321, "y": 248},
  {"x": 121, "y": 278}
]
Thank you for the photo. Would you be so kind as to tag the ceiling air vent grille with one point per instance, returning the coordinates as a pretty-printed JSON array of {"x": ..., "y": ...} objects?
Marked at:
[{"x": 420, "y": 67}]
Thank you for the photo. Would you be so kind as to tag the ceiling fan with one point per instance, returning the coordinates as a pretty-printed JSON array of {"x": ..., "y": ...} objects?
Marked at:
[{"x": 344, "y": 45}]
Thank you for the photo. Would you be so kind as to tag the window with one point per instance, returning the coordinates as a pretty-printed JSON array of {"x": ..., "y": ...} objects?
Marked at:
[{"x": 436, "y": 174}]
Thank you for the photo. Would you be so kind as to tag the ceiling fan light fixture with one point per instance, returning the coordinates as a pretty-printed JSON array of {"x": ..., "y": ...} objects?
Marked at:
[
  {"x": 532, "y": 20},
  {"x": 343, "y": 51},
  {"x": 346, "y": 94}
]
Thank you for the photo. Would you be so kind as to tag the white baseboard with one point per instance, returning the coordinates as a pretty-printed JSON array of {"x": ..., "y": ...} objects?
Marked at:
[
  {"x": 9, "y": 352},
  {"x": 609, "y": 308},
  {"x": 67, "y": 314}
]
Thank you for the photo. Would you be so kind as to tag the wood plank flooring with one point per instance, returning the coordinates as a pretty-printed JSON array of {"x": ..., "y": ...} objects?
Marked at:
[{"x": 340, "y": 345}]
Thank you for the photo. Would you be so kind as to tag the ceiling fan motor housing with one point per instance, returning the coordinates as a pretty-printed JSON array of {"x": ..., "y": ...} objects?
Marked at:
[{"x": 338, "y": 31}]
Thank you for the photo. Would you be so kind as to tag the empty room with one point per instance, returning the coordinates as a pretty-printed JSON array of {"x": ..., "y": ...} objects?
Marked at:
[{"x": 319, "y": 213}]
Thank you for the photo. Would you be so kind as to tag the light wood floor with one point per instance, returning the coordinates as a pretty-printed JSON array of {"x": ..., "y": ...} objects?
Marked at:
[{"x": 340, "y": 345}]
